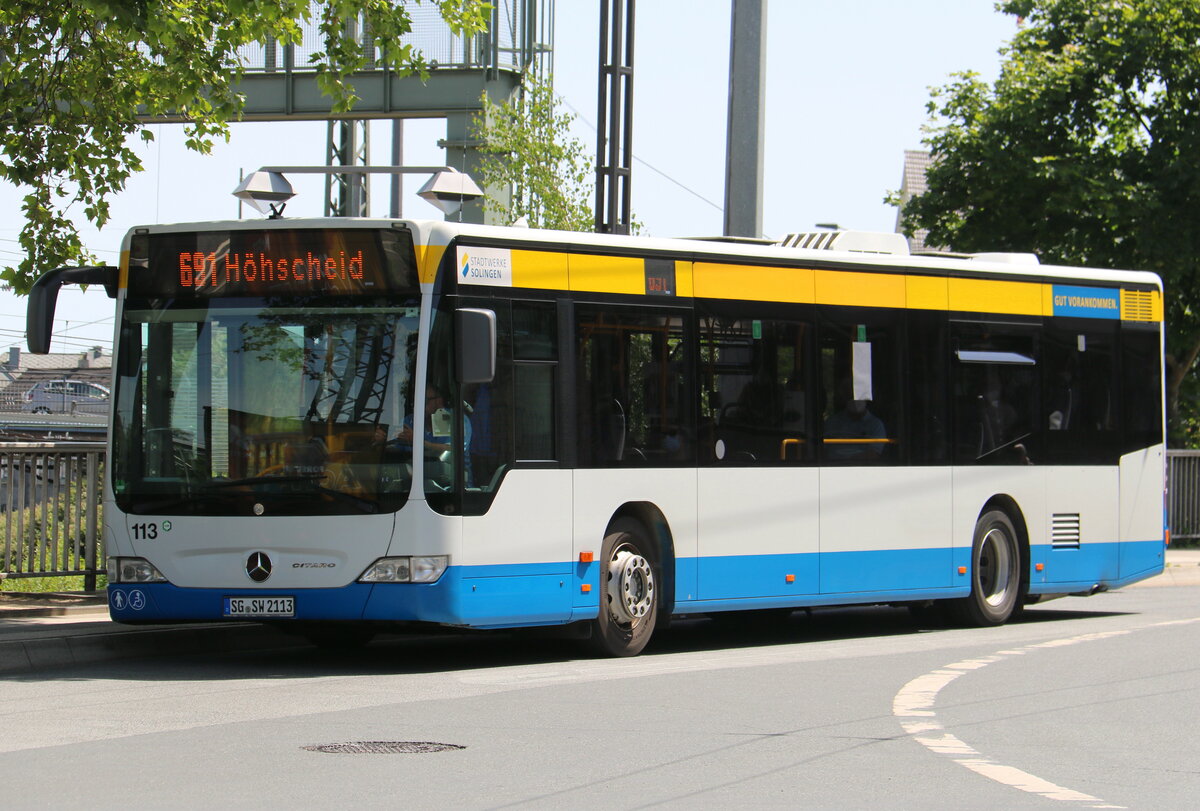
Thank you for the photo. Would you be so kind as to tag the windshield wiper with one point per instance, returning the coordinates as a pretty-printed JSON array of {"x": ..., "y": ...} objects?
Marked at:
[
  {"x": 211, "y": 493},
  {"x": 362, "y": 504},
  {"x": 302, "y": 478},
  {"x": 252, "y": 480}
]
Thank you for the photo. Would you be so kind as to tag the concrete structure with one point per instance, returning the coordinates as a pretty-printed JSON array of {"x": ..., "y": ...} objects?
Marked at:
[
  {"x": 21, "y": 370},
  {"x": 747, "y": 111},
  {"x": 280, "y": 85}
]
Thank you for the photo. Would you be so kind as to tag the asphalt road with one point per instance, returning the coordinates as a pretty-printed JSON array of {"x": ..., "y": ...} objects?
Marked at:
[{"x": 1083, "y": 702}]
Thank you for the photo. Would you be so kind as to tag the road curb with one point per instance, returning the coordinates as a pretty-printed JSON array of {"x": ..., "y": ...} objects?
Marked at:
[
  {"x": 42, "y": 611},
  {"x": 43, "y": 652}
]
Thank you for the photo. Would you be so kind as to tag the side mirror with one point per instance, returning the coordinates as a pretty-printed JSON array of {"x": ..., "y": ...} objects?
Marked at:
[
  {"x": 476, "y": 334},
  {"x": 43, "y": 297}
]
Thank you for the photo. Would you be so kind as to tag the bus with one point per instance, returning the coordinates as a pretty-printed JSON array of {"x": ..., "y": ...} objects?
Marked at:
[{"x": 353, "y": 425}]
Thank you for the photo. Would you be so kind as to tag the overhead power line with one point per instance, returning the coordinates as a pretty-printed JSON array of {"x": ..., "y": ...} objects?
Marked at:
[{"x": 643, "y": 162}]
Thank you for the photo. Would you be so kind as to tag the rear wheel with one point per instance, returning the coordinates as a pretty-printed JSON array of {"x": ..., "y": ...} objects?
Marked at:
[
  {"x": 628, "y": 591},
  {"x": 995, "y": 572}
]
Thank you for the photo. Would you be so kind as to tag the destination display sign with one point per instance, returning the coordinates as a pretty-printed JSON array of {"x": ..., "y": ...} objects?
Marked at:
[
  {"x": 1087, "y": 302},
  {"x": 311, "y": 261}
]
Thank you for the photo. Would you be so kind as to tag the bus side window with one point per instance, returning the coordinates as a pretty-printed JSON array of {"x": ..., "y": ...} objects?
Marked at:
[
  {"x": 513, "y": 416},
  {"x": 755, "y": 383},
  {"x": 1080, "y": 399},
  {"x": 928, "y": 389},
  {"x": 632, "y": 382},
  {"x": 996, "y": 395},
  {"x": 535, "y": 360},
  {"x": 1141, "y": 385},
  {"x": 861, "y": 403}
]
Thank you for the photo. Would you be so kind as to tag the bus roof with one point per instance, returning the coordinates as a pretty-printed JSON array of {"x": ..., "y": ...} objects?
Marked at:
[{"x": 441, "y": 233}]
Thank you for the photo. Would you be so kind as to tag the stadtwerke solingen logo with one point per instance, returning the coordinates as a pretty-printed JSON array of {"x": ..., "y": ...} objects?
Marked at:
[{"x": 490, "y": 266}]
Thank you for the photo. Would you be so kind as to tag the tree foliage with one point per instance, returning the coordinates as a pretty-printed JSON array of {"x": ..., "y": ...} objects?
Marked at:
[
  {"x": 78, "y": 78},
  {"x": 527, "y": 146},
  {"x": 1085, "y": 150}
]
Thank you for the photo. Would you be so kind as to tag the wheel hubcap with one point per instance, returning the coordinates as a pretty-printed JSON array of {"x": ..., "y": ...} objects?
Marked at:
[
  {"x": 995, "y": 567},
  {"x": 630, "y": 586}
]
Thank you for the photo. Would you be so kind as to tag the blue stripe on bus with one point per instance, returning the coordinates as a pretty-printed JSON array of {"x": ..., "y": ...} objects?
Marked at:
[
  {"x": 1112, "y": 565},
  {"x": 510, "y": 595},
  {"x": 165, "y": 602}
]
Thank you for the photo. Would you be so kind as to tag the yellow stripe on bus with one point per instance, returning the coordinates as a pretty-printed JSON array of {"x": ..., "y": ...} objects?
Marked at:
[
  {"x": 860, "y": 289},
  {"x": 543, "y": 270},
  {"x": 721, "y": 281},
  {"x": 606, "y": 274},
  {"x": 549, "y": 270},
  {"x": 985, "y": 296},
  {"x": 927, "y": 292},
  {"x": 683, "y": 279},
  {"x": 428, "y": 259}
]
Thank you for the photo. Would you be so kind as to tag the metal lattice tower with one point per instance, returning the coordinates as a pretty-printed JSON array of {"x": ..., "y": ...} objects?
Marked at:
[
  {"x": 614, "y": 132},
  {"x": 280, "y": 84},
  {"x": 353, "y": 379},
  {"x": 349, "y": 144}
]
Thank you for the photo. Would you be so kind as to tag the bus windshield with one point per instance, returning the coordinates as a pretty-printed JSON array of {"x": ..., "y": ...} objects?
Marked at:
[
  {"x": 248, "y": 406},
  {"x": 265, "y": 371}
]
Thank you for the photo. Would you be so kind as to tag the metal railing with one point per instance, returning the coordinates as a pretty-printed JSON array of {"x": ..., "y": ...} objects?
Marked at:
[
  {"x": 1183, "y": 499},
  {"x": 519, "y": 33},
  {"x": 50, "y": 502}
]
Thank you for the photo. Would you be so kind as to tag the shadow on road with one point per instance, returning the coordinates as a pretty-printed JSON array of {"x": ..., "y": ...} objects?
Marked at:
[{"x": 284, "y": 657}]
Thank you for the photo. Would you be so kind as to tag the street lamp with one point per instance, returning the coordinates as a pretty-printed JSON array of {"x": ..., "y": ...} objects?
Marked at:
[
  {"x": 448, "y": 189},
  {"x": 263, "y": 189}
]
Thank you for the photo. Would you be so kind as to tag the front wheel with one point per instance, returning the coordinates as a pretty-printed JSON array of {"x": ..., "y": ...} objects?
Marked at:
[
  {"x": 628, "y": 592},
  {"x": 995, "y": 572}
]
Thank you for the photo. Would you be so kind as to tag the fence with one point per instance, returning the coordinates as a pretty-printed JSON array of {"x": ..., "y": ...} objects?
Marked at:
[
  {"x": 1183, "y": 489},
  {"x": 519, "y": 33},
  {"x": 50, "y": 497}
]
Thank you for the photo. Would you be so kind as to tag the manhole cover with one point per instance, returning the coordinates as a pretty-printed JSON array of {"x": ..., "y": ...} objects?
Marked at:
[{"x": 382, "y": 747}]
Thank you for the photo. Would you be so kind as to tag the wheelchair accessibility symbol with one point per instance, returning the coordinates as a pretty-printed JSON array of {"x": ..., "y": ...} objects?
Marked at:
[{"x": 135, "y": 600}]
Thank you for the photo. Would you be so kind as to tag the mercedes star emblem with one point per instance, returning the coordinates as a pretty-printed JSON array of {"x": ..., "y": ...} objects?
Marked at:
[{"x": 258, "y": 566}]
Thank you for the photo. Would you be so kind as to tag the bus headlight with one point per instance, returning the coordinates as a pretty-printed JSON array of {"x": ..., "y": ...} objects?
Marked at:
[
  {"x": 426, "y": 569},
  {"x": 133, "y": 570},
  {"x": 429, "y": 569}
]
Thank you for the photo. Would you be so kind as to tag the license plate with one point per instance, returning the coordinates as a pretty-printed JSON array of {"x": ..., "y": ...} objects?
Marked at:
[{"x": 260, "y": 606}]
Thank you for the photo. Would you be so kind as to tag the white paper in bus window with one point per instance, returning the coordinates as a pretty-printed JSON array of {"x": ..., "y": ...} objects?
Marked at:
[
  {"x": 862, "y": 371},
  {"x": 441, "y": 423}
]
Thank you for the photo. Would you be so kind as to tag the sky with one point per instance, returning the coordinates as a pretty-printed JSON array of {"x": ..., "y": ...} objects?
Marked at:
[{"x": 847, "y": 86}]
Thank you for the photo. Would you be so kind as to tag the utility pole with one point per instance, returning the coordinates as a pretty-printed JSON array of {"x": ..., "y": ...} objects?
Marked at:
[{"x": 744, "y": 139}]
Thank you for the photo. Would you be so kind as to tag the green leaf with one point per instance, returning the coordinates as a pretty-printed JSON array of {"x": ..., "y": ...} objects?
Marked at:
[
  {"x": 1086, "y": 151},
  {"x": 149, "y": 57}
]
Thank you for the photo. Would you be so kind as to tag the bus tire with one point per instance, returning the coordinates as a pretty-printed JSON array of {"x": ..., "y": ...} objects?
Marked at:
[
  {"x": 629, "y": 582},
  {"x": 995, "y": 572}
]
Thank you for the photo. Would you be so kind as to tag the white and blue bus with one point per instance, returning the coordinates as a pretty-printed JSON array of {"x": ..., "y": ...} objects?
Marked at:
[{"x": 345, "y": 425}]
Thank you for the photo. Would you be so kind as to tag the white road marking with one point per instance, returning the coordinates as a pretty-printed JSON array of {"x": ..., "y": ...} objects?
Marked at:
[{"x": 915, "y": 704}]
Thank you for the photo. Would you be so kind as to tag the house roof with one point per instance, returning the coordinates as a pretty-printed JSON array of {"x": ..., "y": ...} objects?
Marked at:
[{"x": 95, "y": 358}]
